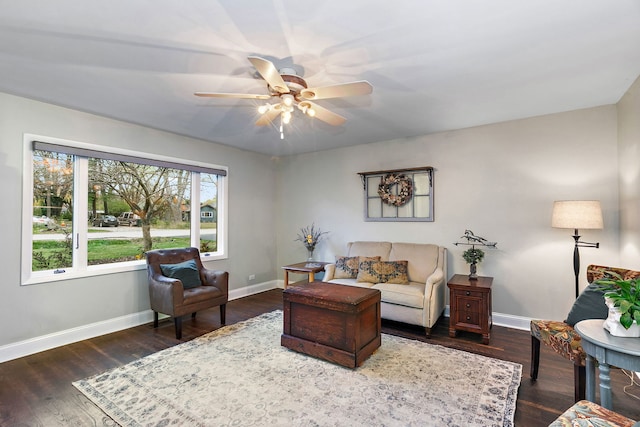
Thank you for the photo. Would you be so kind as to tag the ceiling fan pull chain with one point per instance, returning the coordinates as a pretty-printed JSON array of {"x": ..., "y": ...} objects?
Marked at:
[{"x": 281, "y": 127}]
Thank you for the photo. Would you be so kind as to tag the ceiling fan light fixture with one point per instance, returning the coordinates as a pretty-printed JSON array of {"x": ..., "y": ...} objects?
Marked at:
[
  {"x": 305, "y": 107},
  {"x": 286, "y": 117},
  {"x": 264, "y": 108},
  {"x": 287, "y": 99}
]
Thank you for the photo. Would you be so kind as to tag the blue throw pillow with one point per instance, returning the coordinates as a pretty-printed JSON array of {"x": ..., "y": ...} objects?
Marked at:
[
  {"x": 589, "y": 305},
  {"x": 186, "y": 271}
]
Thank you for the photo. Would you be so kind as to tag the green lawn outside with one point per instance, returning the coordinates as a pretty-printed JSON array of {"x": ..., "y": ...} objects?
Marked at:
[
  {"x": 105, "y": 251},
  {"x": 51, "y": 254}
]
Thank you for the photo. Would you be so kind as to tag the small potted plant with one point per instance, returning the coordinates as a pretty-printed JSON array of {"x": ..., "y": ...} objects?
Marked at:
[
  {"x": 623, "y": 299},
  {"x": 473, "y": 256}
]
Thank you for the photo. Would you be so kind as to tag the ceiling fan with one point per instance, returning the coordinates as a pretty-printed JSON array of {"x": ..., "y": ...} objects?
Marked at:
[{"x": 288, "y": 91}]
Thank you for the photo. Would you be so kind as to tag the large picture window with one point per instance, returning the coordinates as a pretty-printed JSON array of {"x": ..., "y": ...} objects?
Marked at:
[{"x": 95, "y": 212}]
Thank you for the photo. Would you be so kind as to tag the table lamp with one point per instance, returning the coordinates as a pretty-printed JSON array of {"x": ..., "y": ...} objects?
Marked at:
[{"x": 577, "y": 214}]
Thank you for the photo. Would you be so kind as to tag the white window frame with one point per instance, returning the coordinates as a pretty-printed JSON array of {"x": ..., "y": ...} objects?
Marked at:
[{"x": 80, "y": 214}]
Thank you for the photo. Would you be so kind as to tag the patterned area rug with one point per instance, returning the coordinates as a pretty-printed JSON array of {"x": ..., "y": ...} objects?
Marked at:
[{"x": 240, "y": 375}]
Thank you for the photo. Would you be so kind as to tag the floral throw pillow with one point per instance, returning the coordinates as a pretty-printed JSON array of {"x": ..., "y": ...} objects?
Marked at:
[
  {"x": 383, "y": 272},
  {"x": 347, "y": 267}
]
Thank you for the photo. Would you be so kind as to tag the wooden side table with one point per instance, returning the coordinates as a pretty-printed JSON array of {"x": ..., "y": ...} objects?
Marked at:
[
  {"x": 308, "y": 267},
  {"x": 470, "y": 306}
]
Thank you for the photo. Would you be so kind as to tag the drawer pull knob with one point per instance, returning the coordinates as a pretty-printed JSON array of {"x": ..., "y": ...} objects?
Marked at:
[
  {"x": 468, "y": 317},
  {"x": 468, "y": 305},
  {"x": 468, "y": 293}
]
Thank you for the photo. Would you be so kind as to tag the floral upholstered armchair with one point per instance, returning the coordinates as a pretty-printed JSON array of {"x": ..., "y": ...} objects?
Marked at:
[
  {"x": 560, "y": 335},
  {"x": 585, "y": 413}
]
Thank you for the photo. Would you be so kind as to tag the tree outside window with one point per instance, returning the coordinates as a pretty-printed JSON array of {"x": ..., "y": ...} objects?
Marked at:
[{"x": 153, "y": 201}]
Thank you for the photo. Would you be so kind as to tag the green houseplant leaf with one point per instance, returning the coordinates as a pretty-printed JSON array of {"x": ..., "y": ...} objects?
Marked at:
[
  {"x": 625, "y": 295},
  {"x": 473, "y": 255}
]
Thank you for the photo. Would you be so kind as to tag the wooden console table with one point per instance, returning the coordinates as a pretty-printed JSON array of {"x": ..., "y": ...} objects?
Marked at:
[
  {"x": 609, "y": 351},
  {"x": 470, "y": 305},
  {"x": 307, "y": 267}
]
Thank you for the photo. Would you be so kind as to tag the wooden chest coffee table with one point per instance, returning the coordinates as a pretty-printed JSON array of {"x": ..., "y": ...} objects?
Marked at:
[{"x": 337, "y": 323}]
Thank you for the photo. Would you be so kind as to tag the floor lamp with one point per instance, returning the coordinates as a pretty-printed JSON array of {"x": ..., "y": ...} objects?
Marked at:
[{"x": 577, "y": 214}]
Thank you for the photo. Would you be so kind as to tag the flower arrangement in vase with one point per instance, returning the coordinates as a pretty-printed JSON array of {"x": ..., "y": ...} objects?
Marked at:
[{"x": 310, "y": 236}]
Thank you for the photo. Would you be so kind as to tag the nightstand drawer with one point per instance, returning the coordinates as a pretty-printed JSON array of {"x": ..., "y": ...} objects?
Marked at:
[
  {"x": 468, "y": 304},
  {"x": 468, "y": 293},
  {"x": 468, "y": 317}
]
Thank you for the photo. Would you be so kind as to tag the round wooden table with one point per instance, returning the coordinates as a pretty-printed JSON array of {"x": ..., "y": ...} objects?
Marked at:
[{"x": 609, "y": 351}]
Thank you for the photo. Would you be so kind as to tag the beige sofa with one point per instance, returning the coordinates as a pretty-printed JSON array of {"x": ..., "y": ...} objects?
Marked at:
[{"x": 421, "y": 300}]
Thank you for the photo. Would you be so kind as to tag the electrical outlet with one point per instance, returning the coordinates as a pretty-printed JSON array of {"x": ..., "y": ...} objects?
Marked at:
[{"x": 252, "y": 277}]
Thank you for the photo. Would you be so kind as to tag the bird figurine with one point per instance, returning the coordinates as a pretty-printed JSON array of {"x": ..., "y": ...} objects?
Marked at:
[{"x": 476, "y": 240}]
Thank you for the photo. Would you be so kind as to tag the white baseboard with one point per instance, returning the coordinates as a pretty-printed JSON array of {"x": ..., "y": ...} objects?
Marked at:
[
  {"x": 511, "y": 321},
  {"x": 254, "y": 289},
  {"x": 57, "y": 339}
]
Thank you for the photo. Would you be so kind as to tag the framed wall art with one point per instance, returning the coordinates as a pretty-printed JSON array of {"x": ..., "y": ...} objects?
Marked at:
[{"x": 398, "y": 195}]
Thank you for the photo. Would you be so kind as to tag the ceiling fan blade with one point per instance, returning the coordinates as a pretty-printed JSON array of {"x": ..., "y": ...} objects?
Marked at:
[
  {"x": 232, "y": 95},
  {"x": 267, "y": 117},
  {"x": 270, "y": 73},
  {"x": 361, "y": 87},
  {"x": 325, "y": 115}
]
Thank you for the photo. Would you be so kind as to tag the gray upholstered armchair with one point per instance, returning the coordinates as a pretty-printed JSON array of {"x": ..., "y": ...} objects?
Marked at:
[{"x": 179, "y": 284}]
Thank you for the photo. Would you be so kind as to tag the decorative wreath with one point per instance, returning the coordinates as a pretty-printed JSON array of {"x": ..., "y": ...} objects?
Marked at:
[{"x": 405, "y": 189}]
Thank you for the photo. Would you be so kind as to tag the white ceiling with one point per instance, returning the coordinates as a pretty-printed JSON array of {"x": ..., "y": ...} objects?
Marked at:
[{"x": 435, "y": 65}]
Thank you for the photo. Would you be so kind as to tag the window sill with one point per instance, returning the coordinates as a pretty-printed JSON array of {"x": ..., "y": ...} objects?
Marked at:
[{"x": 99, "y": 270}]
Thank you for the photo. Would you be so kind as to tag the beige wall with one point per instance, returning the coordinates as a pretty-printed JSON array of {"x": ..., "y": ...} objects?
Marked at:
[
  {"x": 629, "y": 167},
  {"x": 499, "y": 181},
  {"x": 36, "y": 310}
]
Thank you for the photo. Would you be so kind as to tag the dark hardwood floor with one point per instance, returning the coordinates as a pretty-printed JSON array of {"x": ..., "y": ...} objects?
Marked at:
[{"x": 36, "y": 390}]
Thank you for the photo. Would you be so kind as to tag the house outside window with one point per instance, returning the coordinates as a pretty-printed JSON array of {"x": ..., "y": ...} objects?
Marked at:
[
  {"x": 95, "y": 212},
  {"x": 208, "y": 213}
]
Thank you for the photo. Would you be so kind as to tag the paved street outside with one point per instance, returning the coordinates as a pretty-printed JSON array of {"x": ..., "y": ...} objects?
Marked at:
[{"x": 128, "y": 233}]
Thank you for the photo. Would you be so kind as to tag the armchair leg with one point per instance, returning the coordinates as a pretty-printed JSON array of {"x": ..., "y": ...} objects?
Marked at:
[
  {"x": 178, "y": 322},
  {"x": 427, "y": 332},
  {"x": 155, "y": 319},
  {"x": 535, "y": 357},
  {"x": 223, "y": 314},
  {"x": 579, "y": 380}
]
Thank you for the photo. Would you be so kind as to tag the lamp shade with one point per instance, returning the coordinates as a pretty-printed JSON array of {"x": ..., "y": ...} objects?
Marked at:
[{"x": 577, "y": 214}]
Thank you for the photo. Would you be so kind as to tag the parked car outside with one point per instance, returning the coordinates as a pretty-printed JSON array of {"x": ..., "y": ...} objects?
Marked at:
[
  {"x": 105, "y": 221},
  {"x": 44, "y": 220},
  {"x": 128, "y": 218}
]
